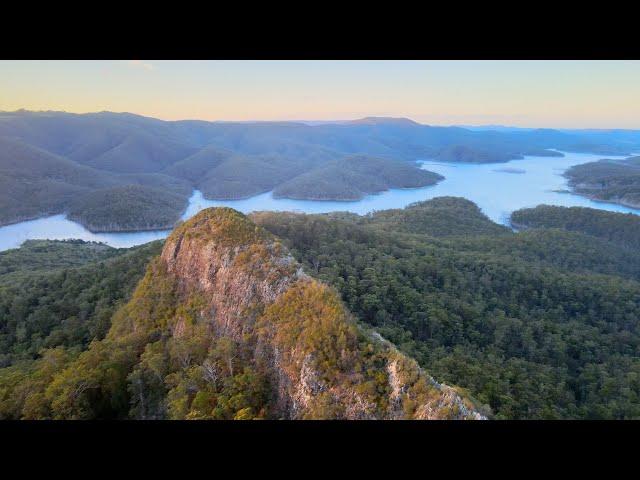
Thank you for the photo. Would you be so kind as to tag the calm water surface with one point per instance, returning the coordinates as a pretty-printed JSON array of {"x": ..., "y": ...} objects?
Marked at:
[{"x": 497, "y": 188}]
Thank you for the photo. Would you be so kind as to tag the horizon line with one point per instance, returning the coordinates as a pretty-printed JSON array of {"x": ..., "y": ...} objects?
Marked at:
[{"x": 334, "y": 121}]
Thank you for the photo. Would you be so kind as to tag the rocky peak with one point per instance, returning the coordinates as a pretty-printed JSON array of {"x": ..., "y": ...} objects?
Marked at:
[
  {"x": 233, "y": 262},
  {"x": 293, "y": 330}
]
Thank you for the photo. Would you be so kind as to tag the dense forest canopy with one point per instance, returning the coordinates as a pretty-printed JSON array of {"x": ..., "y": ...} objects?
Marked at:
[
  {"x": 542, "y": 323},
  {"x": 622, "y": 229},
  {"x": 63, "y": 293},
  {"x": 533, "y": 330},
  {"x": 439, "y": 217},
  {"x": 46, "y": 255}
]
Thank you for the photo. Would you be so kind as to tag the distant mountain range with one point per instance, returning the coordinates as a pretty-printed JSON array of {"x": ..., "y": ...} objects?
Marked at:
[{"x": 50, "y": 162}]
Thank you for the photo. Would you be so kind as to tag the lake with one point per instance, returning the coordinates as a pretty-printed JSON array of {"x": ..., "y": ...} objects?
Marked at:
[{"x": 497, "y": 188}]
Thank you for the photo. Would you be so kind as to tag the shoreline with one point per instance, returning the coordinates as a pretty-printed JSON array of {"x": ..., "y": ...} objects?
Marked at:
[
  {"x": 573, "y": 190},
  {"x": 634, "y": 206},
  {"x": 30, "y": 219},
  {"x": 137, "y": 230},
  {"x": 366, "y": 194},
  {"x": 289, "y": 203}
]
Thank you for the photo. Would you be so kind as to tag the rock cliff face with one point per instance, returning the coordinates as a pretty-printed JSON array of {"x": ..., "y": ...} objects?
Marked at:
[
  {"x": 319, "y": 363},
  {"x": 236, "y": 265}
]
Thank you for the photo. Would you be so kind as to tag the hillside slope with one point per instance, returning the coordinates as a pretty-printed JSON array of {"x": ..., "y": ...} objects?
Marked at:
[
  {"x": 46, "y": 256},
  {"x": 621, "y": 229},
  {"x": 354, "y": 177},
  {"x": 34, "y": 182},
  {"x": 616, "y": 181},
  {"x": 127, "y": 208},
  {"x": 438, "y": 217}
]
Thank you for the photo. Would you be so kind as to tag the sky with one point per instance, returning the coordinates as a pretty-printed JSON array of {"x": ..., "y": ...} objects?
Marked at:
[{"x": 553, "y": 94}]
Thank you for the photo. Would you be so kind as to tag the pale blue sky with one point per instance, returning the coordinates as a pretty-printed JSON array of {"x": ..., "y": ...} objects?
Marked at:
[{"x": 599, "y": 94}]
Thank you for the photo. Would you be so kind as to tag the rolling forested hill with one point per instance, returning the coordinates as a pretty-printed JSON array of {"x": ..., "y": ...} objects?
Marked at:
[
  {"x": 354, "y": 177},
  {"x": 34, "y": 182},
  {"x": 537, "y": 324},
  {"x": 48, "y": 159},
  {"x": 439, "y": 217},
  {"x": 43, "y": 256},
  {"x": 622, "y": 229},
  {"x": 127, "y": 208}
]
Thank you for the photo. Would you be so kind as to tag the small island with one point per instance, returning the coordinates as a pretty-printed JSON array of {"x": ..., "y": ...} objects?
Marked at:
[{"x": 510, "y": 170}]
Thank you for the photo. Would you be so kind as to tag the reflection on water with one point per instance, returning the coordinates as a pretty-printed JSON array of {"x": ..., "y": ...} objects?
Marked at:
[{"x": 493, "y": 187}]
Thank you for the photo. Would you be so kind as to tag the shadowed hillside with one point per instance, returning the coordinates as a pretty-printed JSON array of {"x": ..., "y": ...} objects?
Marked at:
[
  {"x": 128, "y": 208},
  {"x": 354, "y": 177},
  {"x": 34, "y": 182}
]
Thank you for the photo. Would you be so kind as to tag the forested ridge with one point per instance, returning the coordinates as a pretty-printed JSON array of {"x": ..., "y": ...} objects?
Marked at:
[
  {"x": 354, "y": 177},
  {"x": 128, "y": 208},
  {"x": 622, "y": 229}
]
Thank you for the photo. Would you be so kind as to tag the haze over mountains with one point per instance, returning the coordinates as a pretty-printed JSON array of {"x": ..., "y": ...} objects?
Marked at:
[{"x": 55, "y": 162}]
